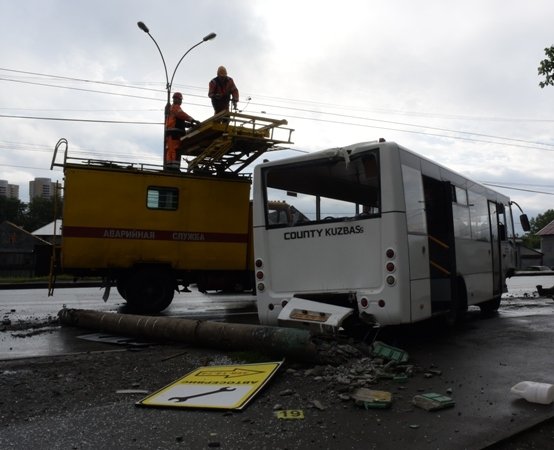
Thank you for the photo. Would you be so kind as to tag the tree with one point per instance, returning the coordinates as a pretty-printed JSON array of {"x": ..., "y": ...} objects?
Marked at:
[
  {"x": 546, "y": 67},
  {"x": 531, "y": 239},
  {"x": 13, "y": 210},
  {"x": 542, "y": 220},
  {"x": 41, "y": 212}
]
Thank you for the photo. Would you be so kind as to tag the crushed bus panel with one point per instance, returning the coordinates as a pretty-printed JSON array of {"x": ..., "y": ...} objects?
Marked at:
[{"x": 317, "y": 316}]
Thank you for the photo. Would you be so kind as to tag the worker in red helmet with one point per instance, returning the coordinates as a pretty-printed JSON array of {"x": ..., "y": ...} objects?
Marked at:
[
  {"x": 222, "y": 90},
  {"x": 176, "y": 122}
]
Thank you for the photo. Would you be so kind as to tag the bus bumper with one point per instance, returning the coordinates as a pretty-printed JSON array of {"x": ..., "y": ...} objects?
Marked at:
[{"x": 317, "y": 316}]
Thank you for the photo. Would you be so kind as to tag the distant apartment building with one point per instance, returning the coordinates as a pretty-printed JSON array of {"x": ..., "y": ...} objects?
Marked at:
[
  {"x": 8, "y": 190},
  {"x": 41, "y": 187}
]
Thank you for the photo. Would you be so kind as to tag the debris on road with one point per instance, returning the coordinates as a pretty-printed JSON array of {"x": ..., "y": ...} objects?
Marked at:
[
  {"x": 388, "y": 352},
  {"x": 317, "y": 404},
  {"x": 351, "y": 368},
  {"x": 433, "y": 402},
  {"x": 534, "y": 392},
  {"x": 371, "y": 399},
  {"x": 132, "y": 391},
  {"x": 113, "y": 339}
]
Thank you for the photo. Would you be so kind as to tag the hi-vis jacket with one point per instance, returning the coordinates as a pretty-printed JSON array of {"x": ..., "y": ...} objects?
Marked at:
[
  {"x": 177, "y": 117},
  {"x": 221, "y": 91}
]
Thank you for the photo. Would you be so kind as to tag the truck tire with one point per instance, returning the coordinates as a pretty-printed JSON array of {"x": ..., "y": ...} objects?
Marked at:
[
  {"x": 121, "y": 286},
  {"x": 149, "y": 290}
]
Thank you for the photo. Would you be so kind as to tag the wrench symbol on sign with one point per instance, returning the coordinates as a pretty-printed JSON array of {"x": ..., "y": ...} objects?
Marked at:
[{"x": 184, "y": 399}]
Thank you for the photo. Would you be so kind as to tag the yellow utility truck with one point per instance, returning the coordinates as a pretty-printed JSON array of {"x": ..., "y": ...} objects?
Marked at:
[{"x": 149, "y": 231}]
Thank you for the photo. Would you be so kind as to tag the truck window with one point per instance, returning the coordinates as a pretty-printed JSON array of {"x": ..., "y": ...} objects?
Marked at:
[{"x": 165, "y": 198}]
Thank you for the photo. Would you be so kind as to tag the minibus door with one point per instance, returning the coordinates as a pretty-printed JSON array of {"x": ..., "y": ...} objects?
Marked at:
[{"x": 495, "y": 249}]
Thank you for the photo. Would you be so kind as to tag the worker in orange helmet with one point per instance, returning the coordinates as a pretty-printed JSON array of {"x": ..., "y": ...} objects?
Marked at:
[
  {"x": 222, "y": 90},
  {"x": 176, "y": 122}
]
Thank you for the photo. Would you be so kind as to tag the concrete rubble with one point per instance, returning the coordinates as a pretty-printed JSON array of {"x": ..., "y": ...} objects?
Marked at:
[{"x": 342, "y": 364}]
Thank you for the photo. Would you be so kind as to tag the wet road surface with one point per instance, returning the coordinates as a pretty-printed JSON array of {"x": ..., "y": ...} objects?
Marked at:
[
  {"x": 33, "y": 307},
  {"x": 512, "y": 347},
  {"x": 35, "y": 314}
]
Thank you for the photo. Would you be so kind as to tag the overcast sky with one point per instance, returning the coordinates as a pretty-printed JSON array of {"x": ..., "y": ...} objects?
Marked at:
[{"x": 455, "y": 81}]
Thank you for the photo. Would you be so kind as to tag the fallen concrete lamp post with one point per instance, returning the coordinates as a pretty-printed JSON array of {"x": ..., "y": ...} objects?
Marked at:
[{"x": 282, "y": 342}]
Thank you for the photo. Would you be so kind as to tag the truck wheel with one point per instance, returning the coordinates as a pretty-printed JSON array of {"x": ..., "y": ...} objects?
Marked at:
[
  {"x": 150, "y": 290},
  {"x": 121, "y": 285}
]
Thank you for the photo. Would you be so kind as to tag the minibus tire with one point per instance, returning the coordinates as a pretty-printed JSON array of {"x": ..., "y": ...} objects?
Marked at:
[{"x": 490, "y": 306}]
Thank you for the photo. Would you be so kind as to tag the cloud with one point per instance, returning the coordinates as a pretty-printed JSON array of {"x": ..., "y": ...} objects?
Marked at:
[{"x": 445, "y": 79}]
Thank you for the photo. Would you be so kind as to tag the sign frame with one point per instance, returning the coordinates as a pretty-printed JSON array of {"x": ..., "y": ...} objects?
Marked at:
[{"x": 214, "y": 387}]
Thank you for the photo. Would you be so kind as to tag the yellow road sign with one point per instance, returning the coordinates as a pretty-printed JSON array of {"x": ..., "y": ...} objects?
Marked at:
[{"x": 223, "y": 387}]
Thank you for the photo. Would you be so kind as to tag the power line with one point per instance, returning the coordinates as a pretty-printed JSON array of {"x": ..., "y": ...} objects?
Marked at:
[
  {"x": 25, "y": 167},
  {"x": 518, "y": 189},
  {"x": 284, "y": 107},
  {"x": 426, "y": 133},
  {"x": 289, "y": 100},
  {"x": 80, "y": 89},
  {"x": 513, "y": 142},
  {"x": 80, "y": 120},
  {"x": 523, "y": 184},
  {"x": 426, "y": 127},
  {"x": 83, "y": 80},
  {"x": 296, "y": 117},
  {"x": 84, "y": 110}
]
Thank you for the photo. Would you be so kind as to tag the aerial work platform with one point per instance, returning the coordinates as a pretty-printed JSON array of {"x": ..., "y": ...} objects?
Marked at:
[{"x": 230, "y": 141}]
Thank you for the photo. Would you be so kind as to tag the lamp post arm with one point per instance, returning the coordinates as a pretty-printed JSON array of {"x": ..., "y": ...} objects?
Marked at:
[
  {"x": 167, "y": 85},
  {"x": 163, "y": 59},
  {"x": 176, "y": 67},
  {"x": 208, "y": 37}
]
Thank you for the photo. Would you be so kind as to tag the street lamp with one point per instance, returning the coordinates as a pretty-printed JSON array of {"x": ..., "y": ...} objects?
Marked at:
[{"x": 168, "y": 82}]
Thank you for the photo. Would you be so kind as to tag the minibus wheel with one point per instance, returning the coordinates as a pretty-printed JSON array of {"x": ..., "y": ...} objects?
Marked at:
[{"x": 490, "y": 306}]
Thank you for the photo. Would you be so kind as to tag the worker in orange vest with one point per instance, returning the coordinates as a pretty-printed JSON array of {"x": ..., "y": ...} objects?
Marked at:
[
  {"x": 222, "y": 90},
  {"x": 176, "y": 123}
]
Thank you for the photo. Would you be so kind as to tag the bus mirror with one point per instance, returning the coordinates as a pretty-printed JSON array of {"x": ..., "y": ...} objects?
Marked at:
[{"x": 524, "y": 222}]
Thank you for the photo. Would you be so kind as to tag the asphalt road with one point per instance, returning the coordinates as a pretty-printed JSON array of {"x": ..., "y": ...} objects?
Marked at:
[
  {"x": 476, "y": 364},
  {"x": 34, "y": 331},
  {"x": 72, "y": 401},
  {"x": 32, "y": 316}
]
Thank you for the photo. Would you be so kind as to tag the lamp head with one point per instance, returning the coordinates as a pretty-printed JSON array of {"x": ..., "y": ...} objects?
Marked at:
[
  {"x": 143, "y": 27},
  {"x": 209, "y": 37}
]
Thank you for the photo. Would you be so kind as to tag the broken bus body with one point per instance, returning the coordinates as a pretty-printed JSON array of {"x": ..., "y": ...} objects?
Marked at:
[{"x": 374, "y": 234}]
